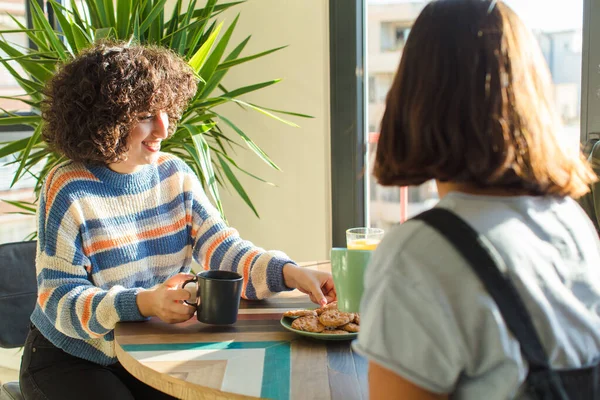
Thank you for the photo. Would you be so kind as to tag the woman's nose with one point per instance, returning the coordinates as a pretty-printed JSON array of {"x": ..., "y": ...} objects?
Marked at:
[{"x": 161, "y": 125}]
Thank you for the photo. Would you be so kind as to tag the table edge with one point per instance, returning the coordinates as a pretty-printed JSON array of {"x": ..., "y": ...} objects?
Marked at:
[{"x": 171, "y": 385}]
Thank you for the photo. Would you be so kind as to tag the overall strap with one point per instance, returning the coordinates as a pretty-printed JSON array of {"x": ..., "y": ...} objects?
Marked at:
[{"x": 483, "y": 261}]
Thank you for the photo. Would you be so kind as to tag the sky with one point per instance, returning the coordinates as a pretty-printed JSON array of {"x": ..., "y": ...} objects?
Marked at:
[{"x": 546, "y": 15}]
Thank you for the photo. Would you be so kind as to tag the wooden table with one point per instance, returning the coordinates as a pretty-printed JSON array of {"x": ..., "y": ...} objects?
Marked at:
[{"x": 255, "y": 357}]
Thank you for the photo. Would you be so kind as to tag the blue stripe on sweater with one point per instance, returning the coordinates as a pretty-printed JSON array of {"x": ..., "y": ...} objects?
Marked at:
[
  {"x": 149, "y": 213},
  {"x": 213, "y": 230},
  {"x": 163, "y": 245},
  {"x": 59, "y": 292},
  {"x": 93, "y": 324},
  {"x": 75, "y": 322},
  {"x": 250, "y": 291}
]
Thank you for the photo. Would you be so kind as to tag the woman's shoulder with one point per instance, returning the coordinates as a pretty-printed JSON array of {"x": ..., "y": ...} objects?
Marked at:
[
  {"x": 171, "y": 163},
  {"x": 67, "y": 172}
]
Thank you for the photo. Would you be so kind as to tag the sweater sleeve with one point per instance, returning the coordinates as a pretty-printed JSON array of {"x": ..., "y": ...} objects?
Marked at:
[
  {"x": 66, "y": 294},
  {"x": 217, "y": 246}
]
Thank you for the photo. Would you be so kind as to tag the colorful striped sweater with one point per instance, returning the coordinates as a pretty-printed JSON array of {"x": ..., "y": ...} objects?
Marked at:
[{"x": 104, "y": 236}]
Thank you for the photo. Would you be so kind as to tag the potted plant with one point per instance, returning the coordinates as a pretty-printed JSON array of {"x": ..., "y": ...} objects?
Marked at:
[{"x": 194, "y": 33}]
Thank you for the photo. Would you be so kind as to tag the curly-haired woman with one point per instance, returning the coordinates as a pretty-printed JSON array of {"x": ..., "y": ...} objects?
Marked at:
[
  {"x": 120, "y": 222},
  {"x": 471, "y": 108}
]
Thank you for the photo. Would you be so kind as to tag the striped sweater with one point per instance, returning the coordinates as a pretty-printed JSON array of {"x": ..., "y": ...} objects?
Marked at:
[{"x": 103, "y": 237}]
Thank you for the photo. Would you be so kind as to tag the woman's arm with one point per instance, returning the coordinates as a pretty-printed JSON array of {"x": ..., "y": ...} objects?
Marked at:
[
  {"x": 218, "y": 246},
  {"x": 384, "y": 384}
]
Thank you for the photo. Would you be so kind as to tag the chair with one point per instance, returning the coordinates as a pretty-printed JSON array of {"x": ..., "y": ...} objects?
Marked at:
[{"x": 18, "y": 294}]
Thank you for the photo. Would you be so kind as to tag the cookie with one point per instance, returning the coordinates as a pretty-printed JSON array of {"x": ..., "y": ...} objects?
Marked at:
[
  {"x": 335, "y": 332},
  {"x": 300, "y": 313},
  {"x": 334, "y": 318},
  {"x": 356, "y": 319},
  {"x": 308, "y": 324},
  {"x": 329, "y": 306},
  {"x": 350, "y": 327}
]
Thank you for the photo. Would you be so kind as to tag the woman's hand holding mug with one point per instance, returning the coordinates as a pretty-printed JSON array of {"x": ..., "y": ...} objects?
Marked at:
[{"x": 167, "y": 301}]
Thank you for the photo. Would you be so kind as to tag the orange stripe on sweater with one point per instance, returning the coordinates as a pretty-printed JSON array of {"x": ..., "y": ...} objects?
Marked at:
[
  {"x": 246, "y": 275},
  {"x": 123, "y": 240},
  {"x": 50, "y": 177},
  {"x": 63, "y": 180},
  {"x": 213, "y": 246},
  {"x": 43, "y": 297},
  {"x": 86, "y": 315}
]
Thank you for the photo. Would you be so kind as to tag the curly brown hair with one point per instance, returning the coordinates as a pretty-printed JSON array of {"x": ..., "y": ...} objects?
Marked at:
[
  {"x": 93, "y": 100},
  {"x": 471, "y": 103}
]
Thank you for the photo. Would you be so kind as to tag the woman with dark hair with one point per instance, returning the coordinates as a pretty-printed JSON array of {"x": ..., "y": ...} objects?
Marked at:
[
  {"x": 120, "y": 222},
  {"x": 471, "y": 108}
]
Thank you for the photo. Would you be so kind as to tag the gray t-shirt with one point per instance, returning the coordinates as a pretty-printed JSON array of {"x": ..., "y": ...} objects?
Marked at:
[{"x": 426, "y": 316}]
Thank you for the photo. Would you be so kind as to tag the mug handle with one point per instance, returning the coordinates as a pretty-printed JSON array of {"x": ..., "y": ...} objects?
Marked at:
[{"x": 194, "y": 280}]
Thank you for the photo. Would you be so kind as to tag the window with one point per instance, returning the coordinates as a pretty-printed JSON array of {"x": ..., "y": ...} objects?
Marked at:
[
  {"x": 8, "y": 86},
  {"x": 15, "y": 226}
]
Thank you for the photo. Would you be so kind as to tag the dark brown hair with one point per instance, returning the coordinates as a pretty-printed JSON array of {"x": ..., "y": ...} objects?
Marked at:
[
  {"x": 92, "y": 102},
  {"x": 471, "y": 103}
]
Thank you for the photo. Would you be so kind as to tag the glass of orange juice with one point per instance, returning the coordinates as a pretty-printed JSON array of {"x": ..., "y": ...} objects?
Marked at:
[{"x": 363, "y": 238}]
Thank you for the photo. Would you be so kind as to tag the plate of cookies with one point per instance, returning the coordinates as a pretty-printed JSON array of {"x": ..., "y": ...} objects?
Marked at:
[{"x": 325, "y": 323}]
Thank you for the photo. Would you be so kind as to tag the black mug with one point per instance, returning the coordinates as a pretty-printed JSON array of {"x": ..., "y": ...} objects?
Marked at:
[{"x": 217, "y": 296}]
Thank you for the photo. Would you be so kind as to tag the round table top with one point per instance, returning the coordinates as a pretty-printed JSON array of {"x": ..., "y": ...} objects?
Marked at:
[{"x": 254, "y": 358}]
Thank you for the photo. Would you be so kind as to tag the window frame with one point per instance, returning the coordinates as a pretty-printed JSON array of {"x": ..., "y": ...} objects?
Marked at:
[{"x": 348, "y": 112}]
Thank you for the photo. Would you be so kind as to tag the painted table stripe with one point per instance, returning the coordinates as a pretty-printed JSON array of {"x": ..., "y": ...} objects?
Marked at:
[{"x": 268, "y": 377}]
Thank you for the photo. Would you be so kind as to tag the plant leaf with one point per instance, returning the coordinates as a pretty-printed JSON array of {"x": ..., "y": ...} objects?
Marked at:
[
  {"x": 253, "y": 146},
  {"x": 81, "y": 39},
  {"x": 24, "y": 205},
  {"x": 199, "y": 58},
  {"x": 217, "y": 8},
  {"x": 212, "y": 62},
  {"x": 32, "y": 140},
  {"x": 153, "y": 15},
  {"x": 97, "y": 13},
  {"x": 124, "y": 18},
  {"x": 219, "y": 74},
  {"x": 109, "y": 9},
  {"x": 65, "y": 26},
  {"x": 37, "y": 70},
  {"x": 198, "y": 36},
  {"x": 265, "y": 112},
  {"x": 13, "y": 147},
  {"x": 236, "y": 185},
  {"x": 232, "y": 63},
  {"x": 249, "y": 88},
  {"x": 205, "y": 164},
  {"x": 25, "y": 120},
  {"x": 282, "y": 111},
  {"x": 49, "y": 32},
  {"x": 104, "y": 33}
]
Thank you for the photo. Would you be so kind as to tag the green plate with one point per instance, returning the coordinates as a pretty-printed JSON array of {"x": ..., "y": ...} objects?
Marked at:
[{"x": 286, "y": 322}]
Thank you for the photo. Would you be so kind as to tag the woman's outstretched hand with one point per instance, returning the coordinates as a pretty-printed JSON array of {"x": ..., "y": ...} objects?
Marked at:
[
  {"x": 318, "y": 285},
  {"x": 166, "y": 300}
]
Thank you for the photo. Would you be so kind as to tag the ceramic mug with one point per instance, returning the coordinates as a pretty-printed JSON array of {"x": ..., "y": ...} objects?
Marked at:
[{"x": 217, "y": 297}]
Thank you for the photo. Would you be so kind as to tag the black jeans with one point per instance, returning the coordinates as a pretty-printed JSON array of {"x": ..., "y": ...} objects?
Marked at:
[{"x": 49, "y": 373}]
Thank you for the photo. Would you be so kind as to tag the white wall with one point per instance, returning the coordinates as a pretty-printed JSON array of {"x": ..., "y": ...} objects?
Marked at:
[{"x": 295, "y": 216}]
